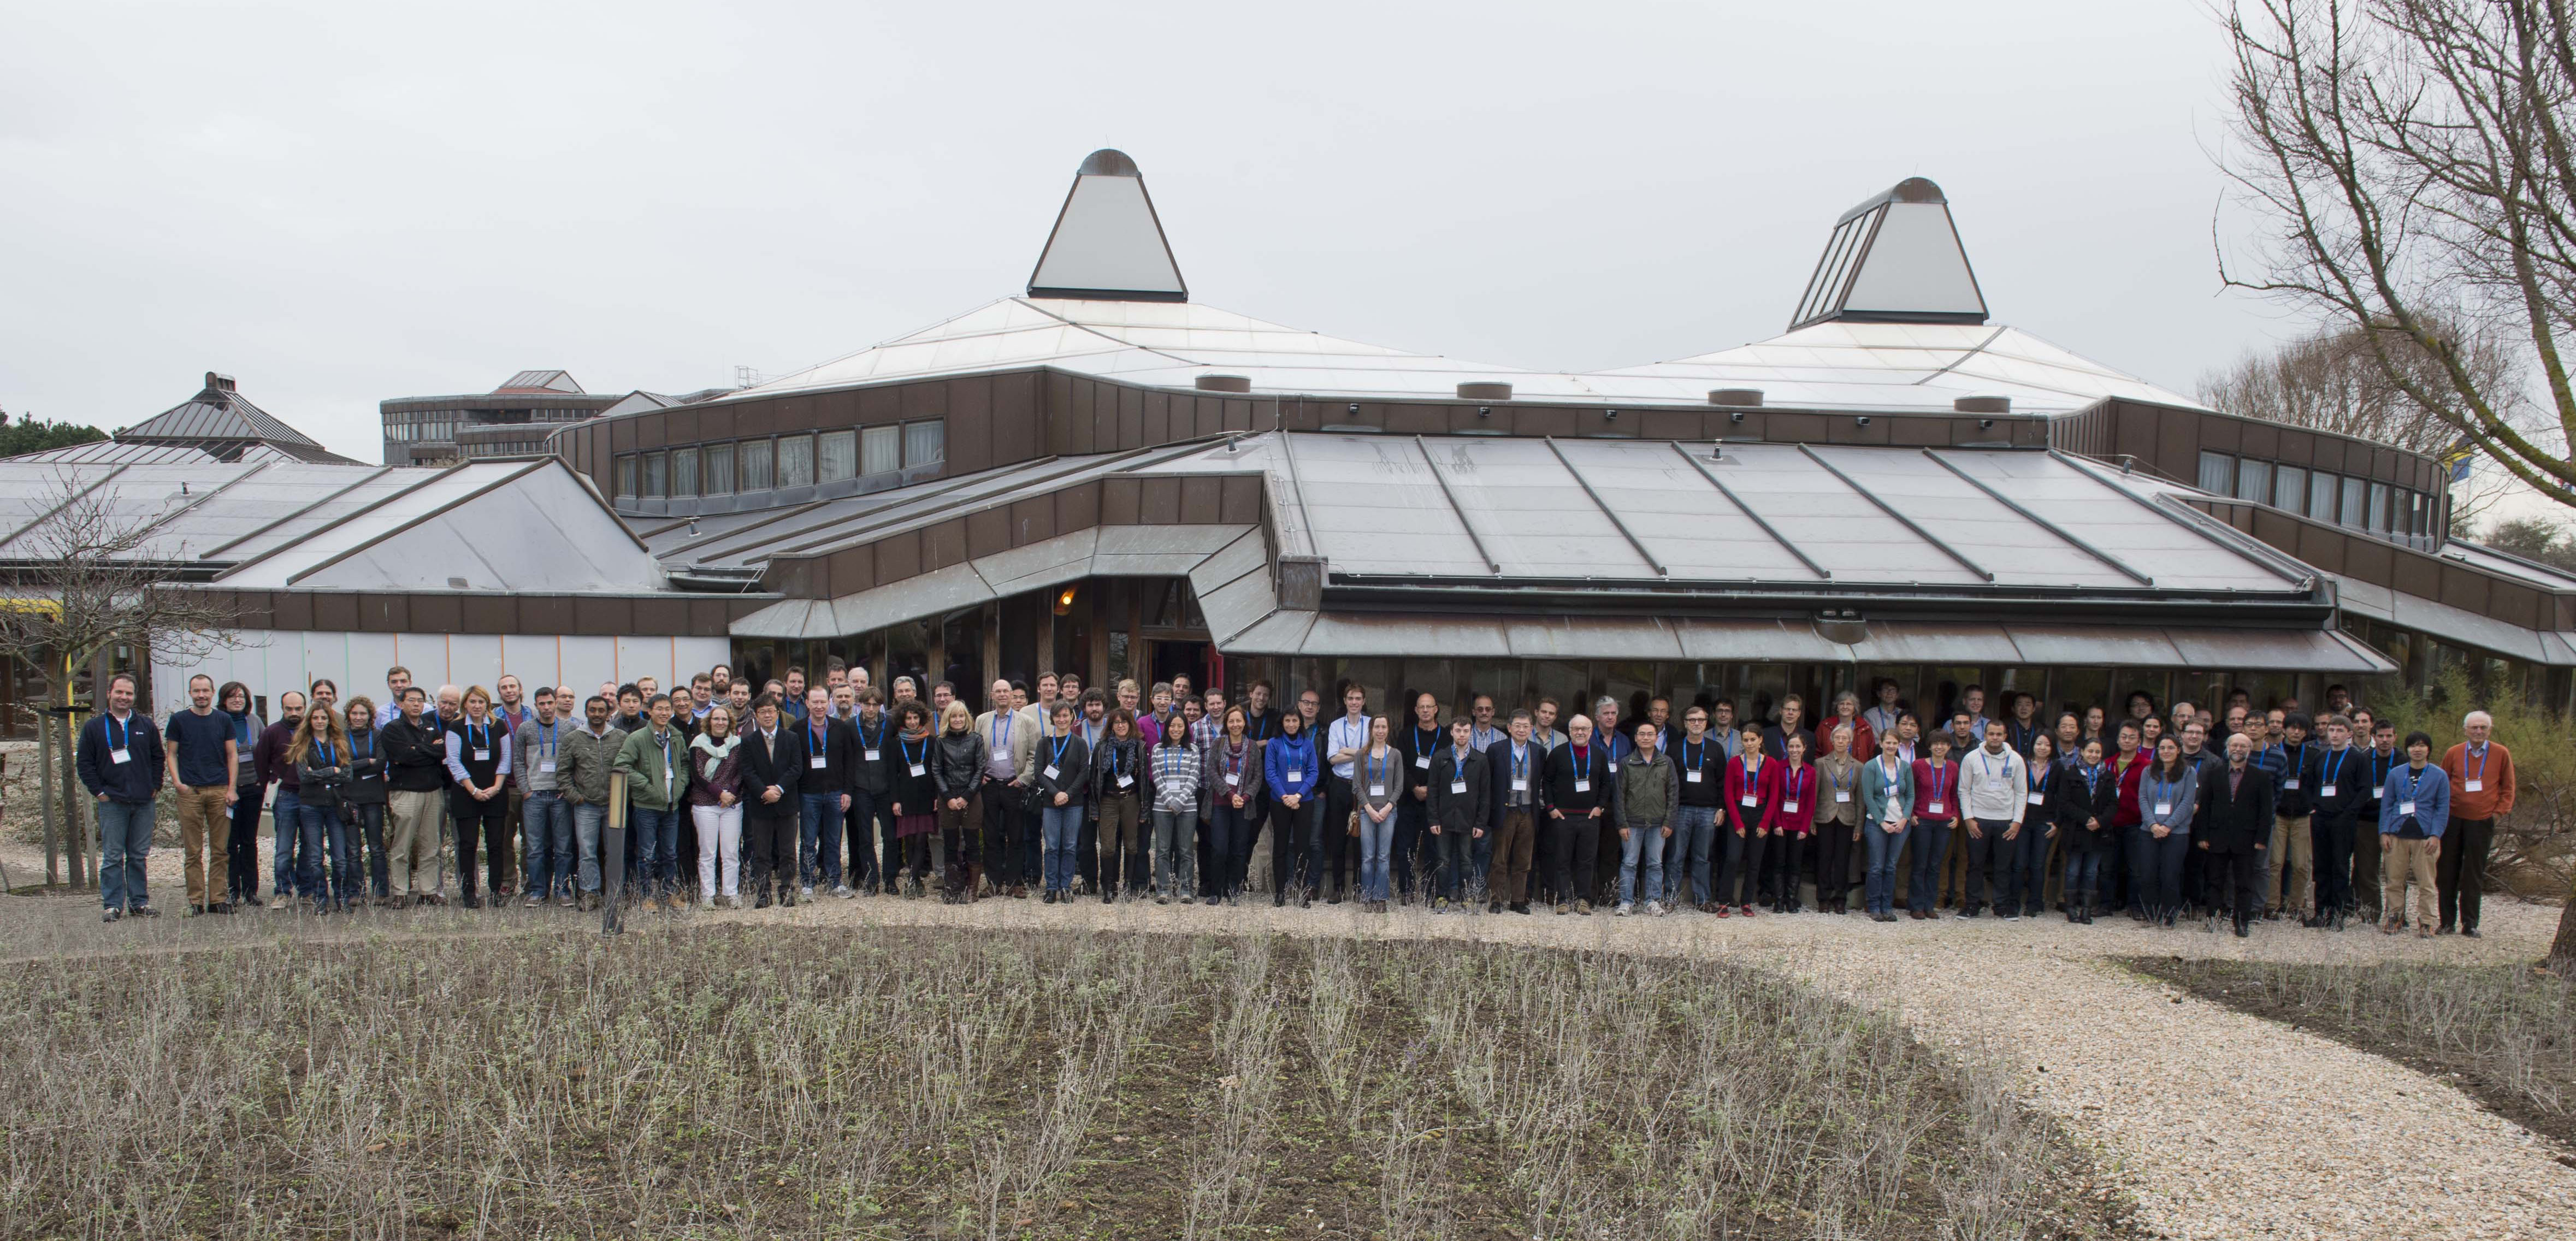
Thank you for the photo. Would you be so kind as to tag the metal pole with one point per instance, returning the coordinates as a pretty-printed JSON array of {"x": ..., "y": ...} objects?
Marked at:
[
  {"x": 45, "y": 792},
  {"x": 613, "y": 857}
]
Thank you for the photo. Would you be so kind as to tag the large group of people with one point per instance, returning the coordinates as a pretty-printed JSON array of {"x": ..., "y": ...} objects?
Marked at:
[{"x": 772, "y": 793}]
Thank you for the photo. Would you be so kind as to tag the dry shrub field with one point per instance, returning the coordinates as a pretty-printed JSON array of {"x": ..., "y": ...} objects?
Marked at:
[{"x": 897, "y": 1083}]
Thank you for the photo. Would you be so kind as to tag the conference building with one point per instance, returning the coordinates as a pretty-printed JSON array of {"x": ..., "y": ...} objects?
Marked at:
[{"x": 1103, "y": 474}]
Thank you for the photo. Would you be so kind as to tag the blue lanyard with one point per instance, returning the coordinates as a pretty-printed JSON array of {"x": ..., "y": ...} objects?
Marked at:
[
  {"x": 2337, "y": 764},
  {"x": 2093, "y": 779},
  {"x": 546, "y": 738},
  {"x": 1002, "y": 730},
  {"x": 1691, "y": 760},
  {"x": 1939, "y": 771},
  {"x": 1060, "y": 744},
  {"x": 2481, "y": 777},
  {"x": 327, "y": 754},
  {"x": 370, "y": 735},
  {"x": 909, "y": 760},
  {"x": 877, "y": 744},
  {"x": 1425, "y": 740},
  {"x": 484, "y": 742},
  {"x": 1520, "y": 762},
  {"x": 1375, "y": 768},
  {"x": 1797, "y": 783},
  {"x": 112, "y": 742},
  {"x": 2038, "y": 778}
]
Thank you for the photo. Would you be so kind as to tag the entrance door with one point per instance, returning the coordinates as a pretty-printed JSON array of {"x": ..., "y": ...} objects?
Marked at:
[{"x": 1188, "y": 659}]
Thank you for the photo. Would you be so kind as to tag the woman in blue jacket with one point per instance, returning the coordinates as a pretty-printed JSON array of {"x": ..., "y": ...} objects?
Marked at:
[{"x": 1290, "y": 774}]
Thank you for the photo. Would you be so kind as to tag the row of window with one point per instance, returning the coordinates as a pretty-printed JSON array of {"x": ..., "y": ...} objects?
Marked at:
[
  {"x": 408, "y": 432},
  {"x": 2356, "y": 503},
  {"x": 779, "y": 462}
]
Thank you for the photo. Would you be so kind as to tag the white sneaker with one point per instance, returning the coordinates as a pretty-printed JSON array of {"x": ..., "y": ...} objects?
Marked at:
[
  {"x": 806, "y": 892},
  {"x": 706, "y": 902},
  {"x": 843, "y": 891},
  {"x": 1654, "y": 909},
  {"x": 1625, "y": 908}
]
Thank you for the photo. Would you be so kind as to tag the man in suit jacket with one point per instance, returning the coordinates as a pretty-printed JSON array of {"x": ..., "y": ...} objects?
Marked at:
[
  {"x": 1457, "y": 795},
  {"x": 2233, "y": 826},
  {"x": 772, "y": 761}
]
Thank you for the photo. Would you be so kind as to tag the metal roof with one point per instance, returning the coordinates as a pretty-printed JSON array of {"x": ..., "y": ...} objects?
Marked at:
[
  {"x": 219, "y": 414},
  {"x": 518, "y": 526},
  {"x": 1606, "y": 514},
  {"x": 111, "y": 452},
  {"x": 540, "y": 381}
]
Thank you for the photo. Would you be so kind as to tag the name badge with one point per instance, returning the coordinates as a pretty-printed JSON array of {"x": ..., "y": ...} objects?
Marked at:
[
  {"x": 2475, "y": 786},
  {"x": 120, "y": 756},
  {"x": 1789, "y": 807},
  {"x": 2292, "y": 783},
  {"x": 1842, "y": 795},
  {"x": 2039, "y": 799},
  {"x": 1377, "y": 790},
  {"x": 1751, "y": 800},
  {"x": 1296, "y": 774},
  {"x": 1614, "y": 766},
  {"x": 1050, "y": 771},
  {"x": 1691, "y": 776},
  {"x": 483, "y": 755},
  {"x": 1232, "y": 778},
  {"x": 1582, "y": 785},
  {"x": 916, "y": 769},
  {"x": 1934, "y": 808},
  {"x": 2325, "y": 790},
  {"x": 1457, "y": 786},
  {"x": 2163, "y": 808},
  {"x": 1422, "y": 761},
  {"x": 2405, "y": 807},
  {"x": 1520, "y": 784},
  {"x": 1124, "y": 781},
  {"x": 874, "y": 755},
  {"x": 547, "y": 767},
  {"x": 814, "y": 761}
]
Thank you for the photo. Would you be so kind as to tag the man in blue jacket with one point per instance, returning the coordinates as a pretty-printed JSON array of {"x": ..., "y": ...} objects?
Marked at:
[
  {"x": 2414, "y": 807},
  {"x": 120, "y": 764}
]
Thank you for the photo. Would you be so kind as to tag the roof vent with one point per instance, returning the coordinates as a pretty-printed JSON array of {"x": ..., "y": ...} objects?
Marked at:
[
  {"x": 219, "y": 383},
  {"x": 1983, "y": 405},
  {"x": 1225, "y": 383},
  {"x": 1741, "y": 398},
  {"x": 1484, "y": 392},
  {"x": 1895, "y": 258},
  {"x": 1108, "y": 244}
]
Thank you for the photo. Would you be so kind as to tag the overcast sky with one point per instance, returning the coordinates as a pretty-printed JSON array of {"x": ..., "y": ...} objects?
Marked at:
[{"x": 340, "y": 203}]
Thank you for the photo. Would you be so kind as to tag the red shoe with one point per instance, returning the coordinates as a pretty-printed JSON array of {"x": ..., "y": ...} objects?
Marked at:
[
  {"x": 1721, "y": 911},
  {"x": 1747, "y": 911}
]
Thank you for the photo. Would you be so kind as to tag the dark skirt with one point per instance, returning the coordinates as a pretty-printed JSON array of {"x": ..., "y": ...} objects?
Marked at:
[{"x": 912, "y": 825}]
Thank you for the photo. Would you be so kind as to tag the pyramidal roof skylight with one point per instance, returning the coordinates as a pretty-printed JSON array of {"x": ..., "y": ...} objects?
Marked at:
[
  {"x": 1107, "y": 244},
  {"x": 1894, "y": 259}
]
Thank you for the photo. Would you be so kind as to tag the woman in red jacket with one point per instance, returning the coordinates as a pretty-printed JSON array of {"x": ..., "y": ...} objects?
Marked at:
[
  {"x": 1752, "y": 803},
  {"x": 2127, "y": 857},
  {"x": 1800, "y": 787},
  {"x": 1864, "y": 742}
]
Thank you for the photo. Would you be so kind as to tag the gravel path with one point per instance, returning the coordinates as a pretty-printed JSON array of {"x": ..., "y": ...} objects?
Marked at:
[{"x": 2219, "y": 1124}]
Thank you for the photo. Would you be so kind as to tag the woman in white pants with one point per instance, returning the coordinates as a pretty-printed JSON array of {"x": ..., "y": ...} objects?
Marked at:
[{"x": 716, "y": 807}]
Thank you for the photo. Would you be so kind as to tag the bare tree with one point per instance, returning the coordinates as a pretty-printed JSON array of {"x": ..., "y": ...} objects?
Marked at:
[
  {"x": 2414, "y": 163},
  {"x": 88, "y": 577}
]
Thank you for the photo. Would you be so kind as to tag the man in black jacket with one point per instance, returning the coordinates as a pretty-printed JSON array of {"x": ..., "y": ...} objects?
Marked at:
[
  {"x": 415, "y": 774},
  {"x": 2338, "y": 778},
  {"x": 2232, "y": 827},
  {"x": 1515, "y": 767},
  {"x": 827, "y": 749},
  {"x": 872, "y": 741},
  {"x": 1579, "y": 795},
  {"x": 1455, "y": 809},
  {"x": 772, "y": 763},
  {"x": 120, "y": 763}
]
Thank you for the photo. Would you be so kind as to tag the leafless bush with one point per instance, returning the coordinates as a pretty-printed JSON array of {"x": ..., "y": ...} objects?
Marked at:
[{"x": 1228, "y": 1169}]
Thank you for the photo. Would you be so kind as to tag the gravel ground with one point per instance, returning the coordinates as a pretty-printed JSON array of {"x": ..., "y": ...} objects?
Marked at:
[{"x": 2220, "y": 1125}]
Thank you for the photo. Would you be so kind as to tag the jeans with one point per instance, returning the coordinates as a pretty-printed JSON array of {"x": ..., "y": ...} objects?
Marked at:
[
  {"x": 1931, "y": 844},
  {"x": 317, "y": 831},
  {"x": 1060, "y": 828},
  {"x": 1230, "y": 836},
  {"x": 366, "y": 832},
  {"x": 1453, "y": 853},
  {"x": 656, "y": 837},
  {"x": 285, "y": 822},
  {"x": 1377, "y": 837},
  {"x": 1645, "y": 842},
  {"x": 2023, "y": 886},
  {"x": 546, "y": 825},
  {"x": 2083, "y": 878},
  {"x": 587, "y": 822},
  {"x": 1878, "y": 877},
  {"x": 1694, "y": 837},
  {"x": 818, "y": 839},
  {"x": 1175, "y": 850},
  {"x": 124, "y": 840}
]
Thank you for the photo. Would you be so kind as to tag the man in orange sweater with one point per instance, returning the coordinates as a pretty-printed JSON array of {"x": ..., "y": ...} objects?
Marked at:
[{"x": 2481, "y": 789}]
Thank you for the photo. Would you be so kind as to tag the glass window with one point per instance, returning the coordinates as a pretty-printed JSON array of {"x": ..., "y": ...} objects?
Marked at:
[
  {"x": 838, "y": 457},
  {"x": 881, "y": 450},
  {"x": 2355, "y": 503},
  {"x": 796, "y": 461},
  {"x": 924, "y": 442},
  {"x": 684, "y": 471},
  {"x": 657, "y": 474},
  {"x": 2290, "y": 488},
  {"x": 719, "y": 469},
  {"x": 2379, "y": 506},
  {"x": 2217, "y": 473},
  {"x": 2321, "y": 496},
  {"x": 754, "y": 458},
  {"x": 2254, "y": 481},
  {"x": 626, "y": 476}
]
